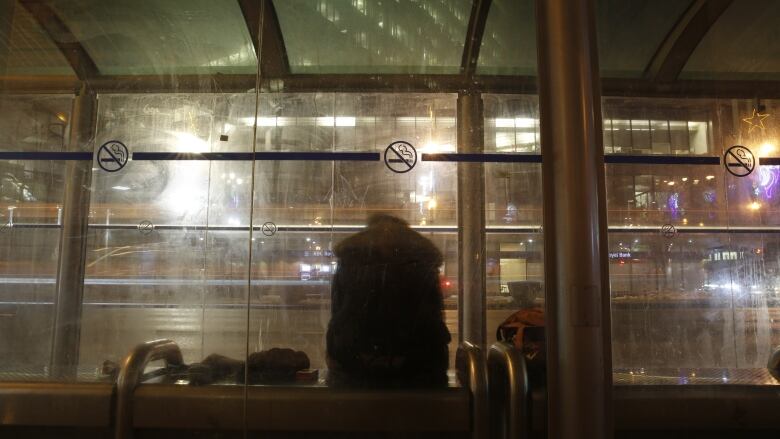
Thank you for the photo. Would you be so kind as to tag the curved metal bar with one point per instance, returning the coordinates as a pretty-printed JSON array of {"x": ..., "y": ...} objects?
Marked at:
[
  {"x": 508, "y": 392},
  {"x": 773, "y": 365},
  {"x": 472, "y": 373},
  {"x": 130, "y": 374}
]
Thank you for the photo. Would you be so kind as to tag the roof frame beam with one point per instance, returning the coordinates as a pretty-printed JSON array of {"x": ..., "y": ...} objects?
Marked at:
[
  {"x": 628, "y": 87},
  {"x": 260, "y": 15},
  {"x": 60, "y": 34},
  {"x": 679, "y": 44},
  {"x": 474, "y": 34}
]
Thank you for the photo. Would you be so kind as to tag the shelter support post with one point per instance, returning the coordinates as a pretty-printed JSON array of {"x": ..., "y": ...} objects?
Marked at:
[
  {"x": 575, "y": 228},
  {"x": 471, "y": 221},
  {"x": 73, "y": 240}
]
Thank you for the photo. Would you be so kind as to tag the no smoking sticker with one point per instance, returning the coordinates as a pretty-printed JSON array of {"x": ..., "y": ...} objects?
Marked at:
[
  {"x": 400, "y": 157},
  {"x": 145, "y": 227},
  {"x": 112, "y": 156},
  {"x": 669, "y": 231},
  {"x": 739, "y": 161},
  {"x": 268, "y": 229}
]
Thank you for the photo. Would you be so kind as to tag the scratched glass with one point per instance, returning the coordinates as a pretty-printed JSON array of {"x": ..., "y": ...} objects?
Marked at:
[
  {"x": 692, "y": 253},
  {"x": 31, "y": 196}
]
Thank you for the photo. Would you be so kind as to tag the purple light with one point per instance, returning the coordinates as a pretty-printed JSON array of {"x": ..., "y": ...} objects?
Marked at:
[
  {"x": 767, "y": 180},
  {"x": 673, "y": 203}
]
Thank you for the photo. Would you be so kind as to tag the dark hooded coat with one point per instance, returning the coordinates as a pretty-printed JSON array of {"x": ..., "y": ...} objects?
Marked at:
[{"x": 386, "y": 327}]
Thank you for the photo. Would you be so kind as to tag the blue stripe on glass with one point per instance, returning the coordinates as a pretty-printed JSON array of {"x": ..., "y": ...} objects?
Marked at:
[
  {"x": 482, "y": 158},
  {"x": 247, "y": 156},
  {"x": 660, "y": 160},
  {"x": 44, "y": 155},
  {"x": 770, "y": 161}
]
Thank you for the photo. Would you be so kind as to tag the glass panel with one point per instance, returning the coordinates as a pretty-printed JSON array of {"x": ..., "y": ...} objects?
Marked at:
[
  {"x": 514, "y": 267},
  {"x": 631, "y": 32},
  {"x": 509, "y": 41},
  {"x": 621, "y": 136},
  {"x": 34, "y": 123},
  {"x": 25, "y": 48},
  {"x": 373, "y": 36},
  {"x": 660, "y": 137},
  {"x": 186, "y": 275},
  {"x": 511, "y": 124},
  {"x": 650, "y": 196},
  {"x": 679, "y": 137},
  {"x": 640, "y": 136},
  {"x": 513, "y": 195},
  {"x": 318, "y": 204},
  {"x": 766, "y": 141},
  {"x": 671, "y": 128},
  {"x": 31, "y": 195},
  {"x": 698, "y": 137},
  {"x": 515, "y": 274},
  {"x": 629, "y": 35},
  {"x": 739, "y": 45},
  {"x": 695, "y": 308},
  {"x": 224, "y": 220},
  {"x": 667, "y": 313},
  {"x": 29, "y": 266},
  {"x": 693, "y": 288},
  {"x": 512, "y": 190},
  {"x": 609, "y": 147},
  {"x": 161, "y": 38},
  {"x": 291, "y": 300},
  {"x": 180, "y": 123},
  {"x": 320, "y": 193}
]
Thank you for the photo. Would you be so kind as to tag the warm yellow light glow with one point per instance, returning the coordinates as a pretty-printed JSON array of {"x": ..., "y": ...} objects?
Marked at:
[
  {"x": 433, "y": 147},
  {"x": 709, "y": 177},
  {"x": 188, "y": 142},
  {"x": 685, "y": 220},
  {"x": 62, "y": 117},
  {"x": 766, "y": 149},
  {"x": 432, "y": 203},
  {"x": 755, "y": 205},
  {"x": 685, "y": 179},
  {"x": 671, "y": 183}
]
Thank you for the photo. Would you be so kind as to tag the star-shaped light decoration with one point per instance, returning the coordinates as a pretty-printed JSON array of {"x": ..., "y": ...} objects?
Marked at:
[{"x": 756, "y": 120}]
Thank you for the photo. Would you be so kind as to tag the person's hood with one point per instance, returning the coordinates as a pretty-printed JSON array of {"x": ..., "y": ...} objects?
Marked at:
[{"x": 388, "y": 240}]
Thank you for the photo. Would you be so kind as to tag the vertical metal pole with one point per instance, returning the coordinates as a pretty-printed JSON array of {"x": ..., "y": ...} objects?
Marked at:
[
  {"x": 73, "y": 241},
  {"x": 575, "y": 225},
  {"x": 471, "y": 221}
]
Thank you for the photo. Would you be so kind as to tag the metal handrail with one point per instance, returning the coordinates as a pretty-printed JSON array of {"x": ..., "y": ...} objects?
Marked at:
[
  {"x": 773, "y": 365},
  {"x": 472, "y": 373},
  {"x": 130, "y": 375},
  {"x": 508, "y": 392}
]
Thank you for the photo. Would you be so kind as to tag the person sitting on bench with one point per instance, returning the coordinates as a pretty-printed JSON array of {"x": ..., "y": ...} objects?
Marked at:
[{"x": 386, "y": 327}]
